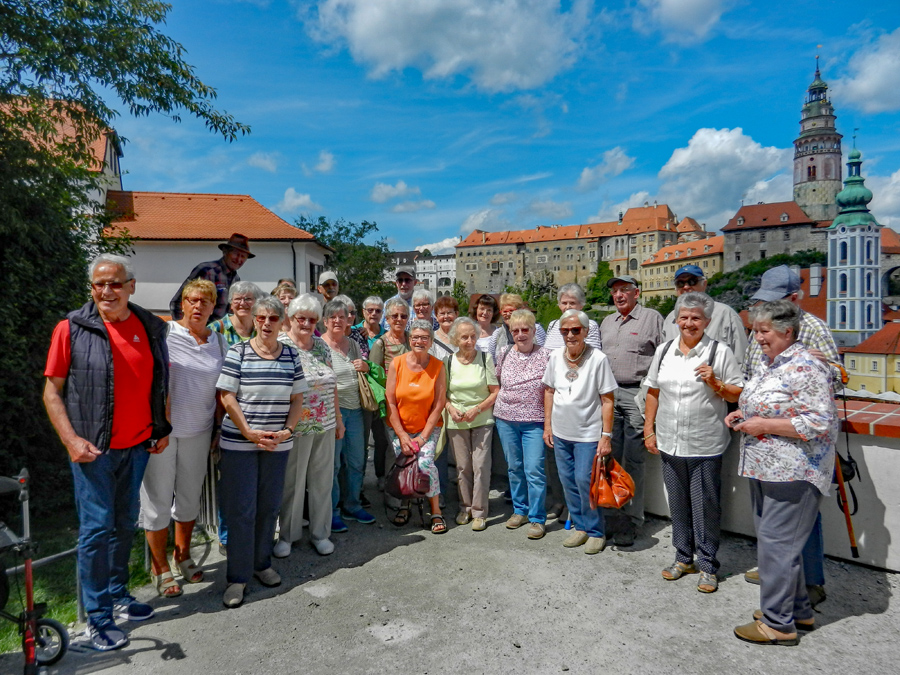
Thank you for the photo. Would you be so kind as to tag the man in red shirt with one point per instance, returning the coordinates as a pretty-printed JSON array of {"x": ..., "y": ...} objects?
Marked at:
[{"x": 105, "y": 394}]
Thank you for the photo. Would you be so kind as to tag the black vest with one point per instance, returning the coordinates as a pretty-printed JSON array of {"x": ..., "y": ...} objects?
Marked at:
[{"x": 89, "y": 392}]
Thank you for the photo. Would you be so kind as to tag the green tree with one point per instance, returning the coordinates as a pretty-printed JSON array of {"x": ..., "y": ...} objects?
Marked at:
[
  {"x": 596, "y": 291},
  {"x": 661, "y": 304},
  {"x": 425, "y": 253},
  {"x": 359, "y": 266},
  {"x": 65, "y": 65},
  {"x": 462, "y": 297}
]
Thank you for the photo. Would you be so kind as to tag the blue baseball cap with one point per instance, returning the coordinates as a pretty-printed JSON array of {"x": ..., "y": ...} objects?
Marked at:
[
  {"x": 777, "y": 283},
  {"x": 690, "y": 269}
]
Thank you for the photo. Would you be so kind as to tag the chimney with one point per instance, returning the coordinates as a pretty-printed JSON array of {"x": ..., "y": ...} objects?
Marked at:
[
  {"x": 815, "y": 279},
  {"x": 620, "y": 217},
  {"x": 482, "y": 237},
  {"x": 646, "y": 204}
]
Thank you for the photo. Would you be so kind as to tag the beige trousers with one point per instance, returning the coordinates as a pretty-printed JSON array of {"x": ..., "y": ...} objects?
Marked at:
[
  {"x": 472, "y": 451},
  {"x": 310, "y": 468}
]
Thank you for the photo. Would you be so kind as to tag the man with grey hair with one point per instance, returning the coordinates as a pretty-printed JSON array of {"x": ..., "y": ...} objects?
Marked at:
[
  {"x": 725, "y": 325},
  {"x": 629, "y": 337},
  {"x": 405, "y": 280},
  {"x": 107, "y": 377}
]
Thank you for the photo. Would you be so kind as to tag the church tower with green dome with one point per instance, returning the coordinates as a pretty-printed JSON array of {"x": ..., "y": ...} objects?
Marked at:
[
  {"x": 817, "y": 154},
  {"x": 854, "y": 251}
]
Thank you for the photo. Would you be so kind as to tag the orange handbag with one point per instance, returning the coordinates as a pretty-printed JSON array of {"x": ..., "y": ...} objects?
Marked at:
[{"x": 611, "y": 486}]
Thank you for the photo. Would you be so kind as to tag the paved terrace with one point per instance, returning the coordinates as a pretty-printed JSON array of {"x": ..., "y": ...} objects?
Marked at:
[{"x": 404, "y": 601}]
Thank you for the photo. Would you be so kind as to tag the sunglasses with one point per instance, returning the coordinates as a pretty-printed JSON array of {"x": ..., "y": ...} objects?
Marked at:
[
  {"x": 272, "y": 318},
  {"x": 396, "y": 317},
  {"x": 304, "y": 319},
  {"x": 111, "y": 285},
  {"x": 681, "y": 283},
  {"x": 372, "y": 310},
  {"x": 571, "y": 331},
  {"x": 519, "y": 331}
]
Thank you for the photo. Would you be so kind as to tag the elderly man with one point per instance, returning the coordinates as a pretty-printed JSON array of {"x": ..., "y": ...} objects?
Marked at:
[
  {"x": 328, "y": 286},
  {"x": 107, "y": 374},
  {"x": 629, "y": 337},
  {"x": 725, "y": 326},
  {"x": 222, "y": 272},
  {"x": 782, "y": 283},
  {"x": 405, "y": 280}
]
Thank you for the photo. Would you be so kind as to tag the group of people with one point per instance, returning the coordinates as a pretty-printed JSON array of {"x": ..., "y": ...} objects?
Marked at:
[{"x": 277, "y": 390}]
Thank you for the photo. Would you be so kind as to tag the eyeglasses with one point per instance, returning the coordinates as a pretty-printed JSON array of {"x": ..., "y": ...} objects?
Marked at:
[
  {"x": 198, "y": 301},
  {"x": 271, "y": 318},
  {"x": 111, "y": 285},
  {"x": 571, "y": 331},
  {"x": 681, "y": 283},
  {"x": 421, "y": 305},
  {"x": 419, "y": 338},
  {"x": 242, "y": 300},
  {"x": 336, "y": 317},
  {"x": 397, "y": 317},
  {"x": 304, "y": 319},
  {"x": 519, "y": 331},
  {"x": 372, "y": 310}
]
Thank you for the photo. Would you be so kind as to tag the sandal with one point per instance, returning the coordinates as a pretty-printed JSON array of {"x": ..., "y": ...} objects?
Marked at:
[
  {"x": 678, "y": 570},
  {"x": 438, "y": 524},
  {"x": 402, "y": 517},
  {"x": 708, "y": 583},
  {"x": 188, "y": 569},
  {"x": 166, "y": 585}
]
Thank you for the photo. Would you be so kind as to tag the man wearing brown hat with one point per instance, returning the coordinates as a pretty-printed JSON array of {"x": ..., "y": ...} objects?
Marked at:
[{"x": 222, "y": 272}]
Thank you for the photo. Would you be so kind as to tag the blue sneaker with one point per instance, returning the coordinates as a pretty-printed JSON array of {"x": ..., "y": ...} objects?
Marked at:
[
  {"x": 361, "y": 516},
  {"x": 106, "y": 638},
  {"x": 129, "y": 609},
  {"x": 338, "y": 525}
]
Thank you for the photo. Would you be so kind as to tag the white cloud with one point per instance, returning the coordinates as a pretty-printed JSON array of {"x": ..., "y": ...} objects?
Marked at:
[
  {"x": 708, "y": 179},
  {"x": 326, "y": 162},
  {"x": 383, "y": 192},
  {"x": 491, "y": 220},
  {"x": 873, "y": 85},
  {"x": 885, "y": 206},
  {"x": 412, "y": 207},
  {"x": 502, "y": 198},
  {"x": 441, "y": 247},
  {"x": 614, "y": 162},
  {"x": 547, "y": 208},
  {"x": 295, "y": 202},
  {"x": 500, "y": 46},
  {"x": 609, "y": 212},
  {"x": 680, "y": 21},
  {"x": 267, "y": 161}
]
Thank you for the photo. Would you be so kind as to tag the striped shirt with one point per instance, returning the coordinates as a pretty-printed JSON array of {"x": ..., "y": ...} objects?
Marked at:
[
  {"x": 193, "y": 373},
  {"x": 263, "y": 388}
]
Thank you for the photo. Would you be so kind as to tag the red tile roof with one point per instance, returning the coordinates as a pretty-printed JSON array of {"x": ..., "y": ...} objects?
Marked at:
[
  {"x": 184, "y": 216},
  {"x": 768, "y": 215},
  {"x": 635, "y": 220},
  {"x": 687, "y": 250},
  {"x": 890, "y": 242},
  {"x": 689, "y": 225},
  {"x": 885, "y": 341}
]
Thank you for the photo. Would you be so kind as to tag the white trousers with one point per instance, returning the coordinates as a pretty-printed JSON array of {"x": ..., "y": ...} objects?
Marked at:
[
  {"x": 173, "y": 482},
  {"x": 310, "y": 468}
]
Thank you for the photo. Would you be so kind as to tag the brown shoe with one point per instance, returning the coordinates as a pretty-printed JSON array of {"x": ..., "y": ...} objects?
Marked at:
[
  {"x": 536, "y": 530},
  {"x": 595, "y": 545},
  {"x": 479, "y": 524},
  {"x": 516, "y": 521},
  {"x": 752, "y": 576},
  {"x": 575, "y": 539},
  {"x": 463, "y": 518},
  {"x": 761, "y": 634},
  {"x": 801, "y": 624}
]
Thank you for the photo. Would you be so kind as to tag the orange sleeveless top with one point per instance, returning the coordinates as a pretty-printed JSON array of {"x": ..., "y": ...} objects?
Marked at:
[{"x": 415, "y": 393}]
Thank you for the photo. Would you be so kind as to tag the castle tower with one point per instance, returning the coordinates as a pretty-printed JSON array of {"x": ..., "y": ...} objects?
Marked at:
[
  {"x": 854, "y": 249},
  {"x": 817, "y": 154}
]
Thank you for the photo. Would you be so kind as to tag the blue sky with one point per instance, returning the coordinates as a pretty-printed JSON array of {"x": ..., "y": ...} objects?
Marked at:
[{"x": 434, "y": 117}]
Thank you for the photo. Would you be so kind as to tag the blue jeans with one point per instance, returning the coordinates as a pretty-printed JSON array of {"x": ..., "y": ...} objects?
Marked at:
[
  {"x": 252, "y": 484},
  {"x": 574, "y": 460},
  {"x": 523, "y": 444},
  {"x": 814, "y": 555},
  {"x": 349, "y": 462},
  {"x": 107, "y": 496}
]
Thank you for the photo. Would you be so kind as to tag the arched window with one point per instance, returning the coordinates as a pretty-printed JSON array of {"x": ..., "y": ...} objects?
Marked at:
[
  {"x": 811, "y": 171},
  {"x": 843, "y": 255},
  {"x": 632, "y": 264},
  {"x": 869, "y": 252},
  {"x": 843, "y": 315},
  {"x": 868, "y": 284},
  {"x": 869, "y": 315},
  {"x": 842, "y": 284}
]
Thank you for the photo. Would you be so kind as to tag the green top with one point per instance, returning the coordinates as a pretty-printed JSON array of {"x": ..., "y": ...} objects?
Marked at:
[{"x": 467, "y": 386}]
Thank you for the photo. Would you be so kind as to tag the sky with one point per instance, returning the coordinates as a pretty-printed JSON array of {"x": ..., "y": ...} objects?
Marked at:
[{"x": 436, "y": 117}]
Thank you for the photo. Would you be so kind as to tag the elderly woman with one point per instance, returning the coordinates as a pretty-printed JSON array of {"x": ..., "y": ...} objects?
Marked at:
[
  {"x": 349, "y": 451},
  {"x": 570, "y": 296},
  {"x": 261, "y": 387},
  {"x": 351, "y": 331},
  {"x": 446, "y": 311},
  {"x": 789, "y": 425},
  {"x": 690, "y": 379},
  {"x": 310, "y": 466},
  {"x": 423, "y": 304},
  {"x": 387, "y": 347},
  {"x": 174, "y": 479},
  {"x": 502, "y": 339},
  {"x": 239, "y": 326},
  {"x": 519, "y": 414},
  {"x": 415, "y": 396},
  {"x": 285, "y": 293},
  {"x": 578, "y": 418},
  {"x": 472, "y": 388},
  {"x": 370, "y": 326},
  {"x": 484, "y": 313}
]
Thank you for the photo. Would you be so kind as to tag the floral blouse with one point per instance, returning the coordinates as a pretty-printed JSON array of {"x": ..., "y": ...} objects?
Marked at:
[
  {"x": 795, "y": 385},
  {"x": 521, "y": 397},
  {"x": 318, "y": 415}
]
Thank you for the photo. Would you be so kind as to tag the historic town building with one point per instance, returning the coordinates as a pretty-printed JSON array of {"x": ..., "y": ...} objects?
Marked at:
[{"x": 658, "y": 271}]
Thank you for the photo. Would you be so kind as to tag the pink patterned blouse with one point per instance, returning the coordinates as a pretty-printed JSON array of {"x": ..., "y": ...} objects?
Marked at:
[{"x": 521, "y": 397}]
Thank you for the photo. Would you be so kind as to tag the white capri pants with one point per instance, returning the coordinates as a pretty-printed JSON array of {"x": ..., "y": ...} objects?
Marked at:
[
  {"x": 310, "y": 468},
  {"x": 173, "y": 482}
]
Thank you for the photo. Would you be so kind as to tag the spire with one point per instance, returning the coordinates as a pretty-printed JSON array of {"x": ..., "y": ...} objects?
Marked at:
[{"x": 853, "y": 200}]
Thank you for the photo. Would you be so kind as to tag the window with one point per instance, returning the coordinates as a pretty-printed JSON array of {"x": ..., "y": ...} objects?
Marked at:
[
  {"x": 784, "y": 217},
  {"x": 787, "y": 235},
  {"x": 874, "y": 366},
  {"x": 843, "y": 252},
  {"x": 897, "y": 365},
  {"x": 842, "y": 284},
  {"x": 541, "y": 259},
  {"x": 762, "y": 254},
  {"x": 471, "y": 267},
  {"x": 853, "y": 364},
  {"x": 737, "y": 238},
  {"x": 843, "y": 316},
  {"x": 706, "y": 263},
  {"x": 762, "y": 236},
  {"x": 741, "y": 220},
  {"x": 568, "y": 248},
  {"x": 737, "y": 256},
  {"x": 811, "y": 171}
]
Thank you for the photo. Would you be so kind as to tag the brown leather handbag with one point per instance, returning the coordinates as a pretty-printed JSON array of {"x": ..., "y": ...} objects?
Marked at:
[
  {"x": 406, "y": 480},
  {"x": 611, "y": 486}
]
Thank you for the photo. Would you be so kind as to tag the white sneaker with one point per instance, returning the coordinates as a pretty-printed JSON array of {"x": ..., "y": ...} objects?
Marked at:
[
  {"x": 282, "y": 549},
  {"x": 324, "y": 546}
]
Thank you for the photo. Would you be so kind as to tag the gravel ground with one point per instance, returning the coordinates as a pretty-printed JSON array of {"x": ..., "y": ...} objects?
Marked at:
[{"x": 403, "y": 600}]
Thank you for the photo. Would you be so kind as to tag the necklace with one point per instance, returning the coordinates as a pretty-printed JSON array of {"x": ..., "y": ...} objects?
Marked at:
[
  {"x": 573, "y": 364},
  {"x": 262, "y": 349}
]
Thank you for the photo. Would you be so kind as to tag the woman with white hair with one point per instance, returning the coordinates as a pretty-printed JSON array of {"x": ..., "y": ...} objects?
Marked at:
[
  {"x": 370, "y": 326},
  {"x": 571, "y": 296},
  {"x": 238, "y": 326},
  {"x": 472, "y": 388},
  {"x": 310, "y": 466},
  {"x": 351, "y": 331},
  {"x": 578, "y": 419},
  {"x": 690, "y": 379}
]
